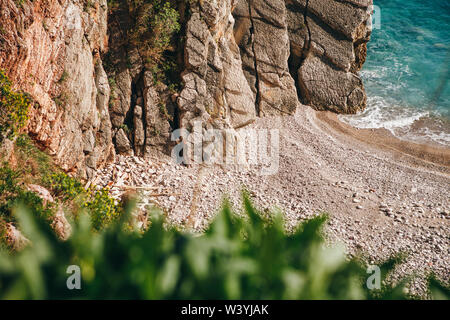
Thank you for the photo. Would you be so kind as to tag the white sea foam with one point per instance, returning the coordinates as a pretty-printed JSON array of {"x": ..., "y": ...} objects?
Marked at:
[
  {"x": 397, "y": 119},
  {"x": 381, "y": 114},
  {"x": 426, "y": 134}
]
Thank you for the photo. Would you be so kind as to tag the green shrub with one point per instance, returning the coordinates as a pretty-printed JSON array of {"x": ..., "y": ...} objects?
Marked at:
[
  {"x": 32, "y": 165},
  {"x": 14, "y": 107},
  {"x": 12, "y": 193},
  {"x": 102, "y": 208},
  {"x": 35, "y": 167},
  {"x": 154, "y": 25},
  {"x": 64, "y": 186},
  {"x": 33, "y": 161},
  {"x": 19, "y": 3},
  {"x": 63, "y": 77},
  {"x": 152, "y": 28},
  {"x": 155, "y": 22},
  {"x": 236, "y": 258},
  {"x": 89, "y": 5}
]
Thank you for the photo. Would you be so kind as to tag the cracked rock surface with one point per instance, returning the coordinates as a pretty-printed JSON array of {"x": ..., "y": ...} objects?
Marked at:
[
  {"x": 51, "y": 49},
  {"x": 238, "y": 60}
]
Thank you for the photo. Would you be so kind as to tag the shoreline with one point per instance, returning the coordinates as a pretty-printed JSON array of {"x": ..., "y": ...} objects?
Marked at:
[{"x": 385, "y": 140}]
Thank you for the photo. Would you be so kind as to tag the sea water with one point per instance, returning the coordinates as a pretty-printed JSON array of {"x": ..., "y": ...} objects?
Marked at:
[{"x": 406, "y": 74}]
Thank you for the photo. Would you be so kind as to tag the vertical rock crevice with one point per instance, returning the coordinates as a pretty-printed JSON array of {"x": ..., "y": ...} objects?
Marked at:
[
  {"x": 309, "y": 39},
  {"x": 141, "y": 109},
  {"x": 255, "y": 60},
  {"x": 298, "y": 53},
  {"x": 302, "y": 92},
  {"x": 262, "y": 35}
]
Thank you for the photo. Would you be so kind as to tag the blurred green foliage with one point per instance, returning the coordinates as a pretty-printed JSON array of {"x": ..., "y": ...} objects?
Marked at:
[{"x": 238, "y": 257}]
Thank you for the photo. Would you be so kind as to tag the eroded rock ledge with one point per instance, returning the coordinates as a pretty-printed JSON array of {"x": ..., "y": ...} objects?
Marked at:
[{"x": 238, "y": 60}]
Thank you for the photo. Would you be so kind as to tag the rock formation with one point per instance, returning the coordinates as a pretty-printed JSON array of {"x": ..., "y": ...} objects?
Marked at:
[
  {"x": 95, "y": 94},
  {"x": 215, "y": 88},
  {"x": 51, "y": 49},
  {"x": 289, "y": 50},
  {"x": 262, "y": 34},
  {"x": 142, "y": 109},
  {"x": 328, "y": 41}
]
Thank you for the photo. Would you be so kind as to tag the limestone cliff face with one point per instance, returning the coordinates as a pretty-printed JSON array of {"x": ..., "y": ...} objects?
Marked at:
[
  {"x": 328, "y": 41},
  {"x": 237, "y": 60},
  {"x": 216, "y": 90},
  {"x": 287, "y": 50},
  {"x": 51, "y": 49},
  {"x": 262, "y": 34}
]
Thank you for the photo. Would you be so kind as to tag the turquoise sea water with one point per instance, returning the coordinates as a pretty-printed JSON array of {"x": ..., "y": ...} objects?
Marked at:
[{"x": 406, "y": 74}]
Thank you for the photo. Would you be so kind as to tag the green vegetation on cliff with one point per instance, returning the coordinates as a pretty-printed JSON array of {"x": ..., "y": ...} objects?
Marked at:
[
  {"x": 14, "y": 107},
  {"x": 152, "y": 26},
  {"x": 31, "y": 166}
]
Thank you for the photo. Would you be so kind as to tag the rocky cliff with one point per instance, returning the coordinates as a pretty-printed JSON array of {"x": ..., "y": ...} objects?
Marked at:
[
  {"x": 229, "y": 61},
  {"x": 52, "y": 49}
]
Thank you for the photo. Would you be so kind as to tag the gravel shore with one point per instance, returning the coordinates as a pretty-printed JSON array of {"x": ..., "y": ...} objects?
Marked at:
[{"x": 383, "y": 195}]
